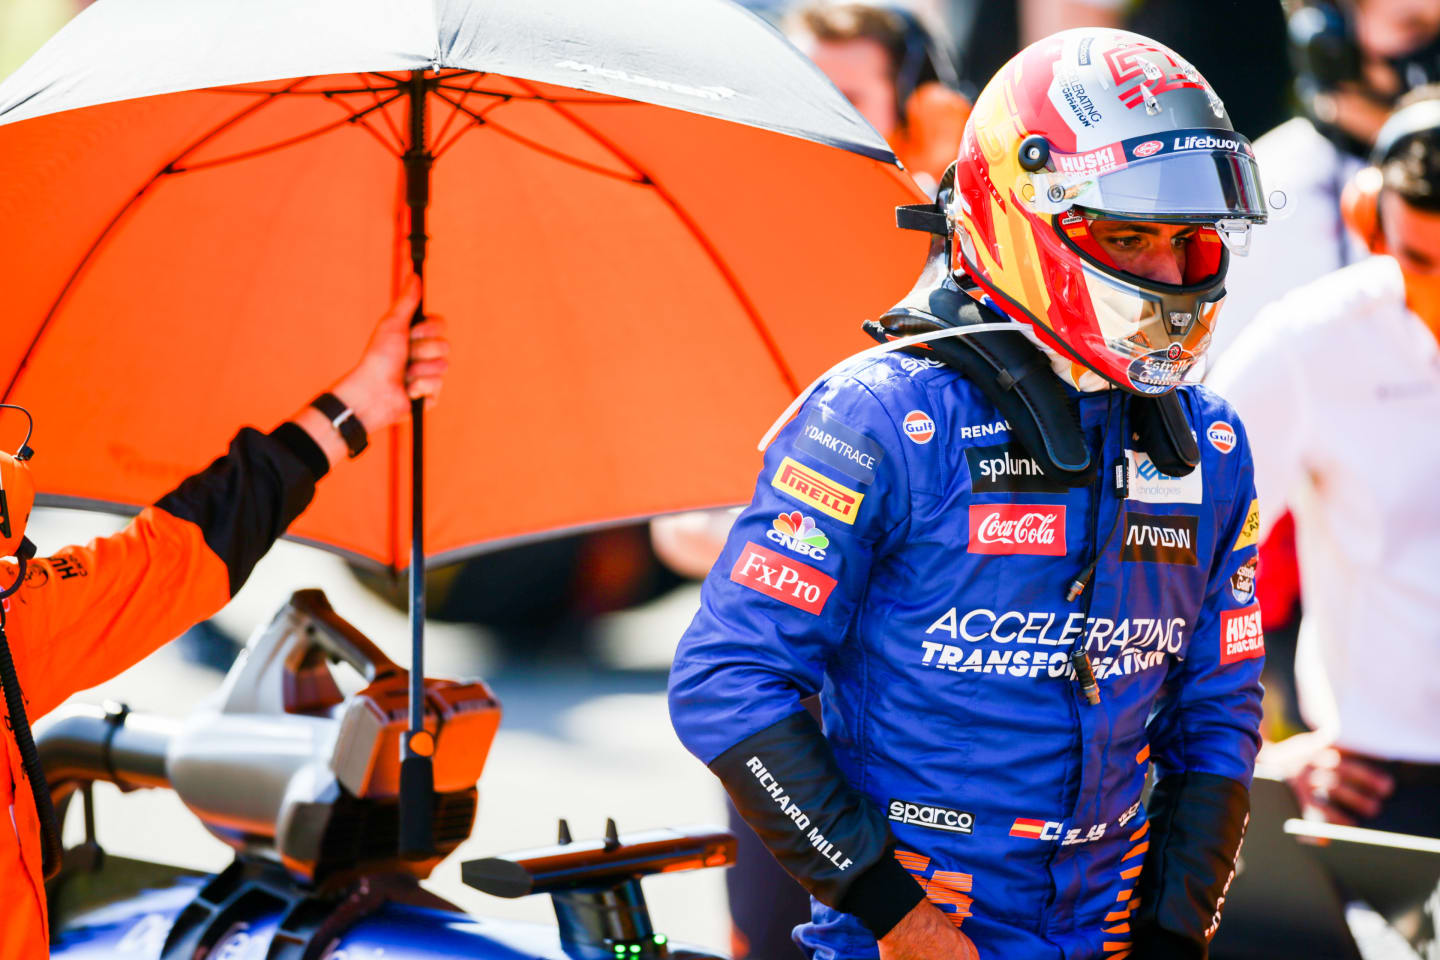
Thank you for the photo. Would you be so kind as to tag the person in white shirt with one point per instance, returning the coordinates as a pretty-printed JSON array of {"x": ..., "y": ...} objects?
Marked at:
[
  {"x": 1338, "y": 384},
  {"x": 1355, "y": 59}
]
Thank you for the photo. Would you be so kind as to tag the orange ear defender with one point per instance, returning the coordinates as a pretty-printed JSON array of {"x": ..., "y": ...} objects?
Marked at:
[
  {"x": 935, "y": 118},
  {"x": 1360, "y": 207},
  {"x": 1360, "y": 200}
]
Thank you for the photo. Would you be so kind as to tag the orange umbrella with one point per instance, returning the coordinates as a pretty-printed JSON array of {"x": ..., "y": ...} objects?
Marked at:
[
  {"x": 634, "y": 287},
  {"x": 648, "y": 221}
]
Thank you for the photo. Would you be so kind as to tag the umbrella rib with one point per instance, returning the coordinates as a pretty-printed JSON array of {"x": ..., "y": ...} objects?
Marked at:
[
  {"x": 638, "y": 176},
  {"x": 450, "y": 120},
  {"x": 289, "y": 142},
  {"x": 374, "y": 92},
  {"x": 751, "y": 311},
  {"x": 107, "y": 231}
]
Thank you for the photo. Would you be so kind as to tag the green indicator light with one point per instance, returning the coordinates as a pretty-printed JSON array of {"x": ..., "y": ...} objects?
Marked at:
[
  {"x": 660, "y": 938},
  {"x": 634, "y": 948}
]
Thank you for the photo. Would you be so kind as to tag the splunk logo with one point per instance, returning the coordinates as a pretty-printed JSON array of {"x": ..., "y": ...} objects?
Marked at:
[{"x": 1004, "y": 468}]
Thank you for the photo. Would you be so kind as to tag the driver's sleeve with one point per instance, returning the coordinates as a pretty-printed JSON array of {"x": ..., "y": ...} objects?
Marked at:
[
  {"x": 1204, "y": 738},
  {"x": 86, "y": 613},
  {"x": 770, "y": 620}
]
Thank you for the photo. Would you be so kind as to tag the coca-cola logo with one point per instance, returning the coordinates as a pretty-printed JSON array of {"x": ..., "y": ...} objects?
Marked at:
[{"x": 1009, "y": 528}]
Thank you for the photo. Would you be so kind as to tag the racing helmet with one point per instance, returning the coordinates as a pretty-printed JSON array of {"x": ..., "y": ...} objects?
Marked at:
[{"x": 1099, "y": 123}]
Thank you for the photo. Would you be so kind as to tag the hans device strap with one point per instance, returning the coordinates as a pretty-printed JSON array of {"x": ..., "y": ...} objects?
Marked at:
[
  {"x": 1012, "y": 372},
  {"x": 343, "y": 419}
]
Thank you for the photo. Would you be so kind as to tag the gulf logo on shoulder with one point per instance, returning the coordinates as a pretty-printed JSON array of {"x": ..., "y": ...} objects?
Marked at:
[
  {"x": 919, "y": 427},
  {"x": 798, "y": 584},
  {"x": 1221, "y": 436},
  {"x": 1241, "y": 635},
  {"x": 819, "y": 491}
]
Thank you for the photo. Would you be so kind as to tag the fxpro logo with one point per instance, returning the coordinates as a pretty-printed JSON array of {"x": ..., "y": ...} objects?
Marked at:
[
  {"x": 935, "y": 818},
  {"x": 789, "y": 581}
]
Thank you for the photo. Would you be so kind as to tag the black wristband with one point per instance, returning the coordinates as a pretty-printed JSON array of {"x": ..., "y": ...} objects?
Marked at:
[
  {"x": 343, "y": 419},
  {"x": 882, "y": 895},
  {"x": 297, "y": 441}
]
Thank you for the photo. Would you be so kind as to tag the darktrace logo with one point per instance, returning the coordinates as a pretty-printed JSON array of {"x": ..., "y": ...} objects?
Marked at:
[
  {"x": 935, "y": 818},
  {"x": 1159, "y": 539},
  {"x": 1004, "y": 468}
]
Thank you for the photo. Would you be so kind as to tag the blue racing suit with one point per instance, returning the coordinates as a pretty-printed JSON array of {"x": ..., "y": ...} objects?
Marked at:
[{"x": 903, "y": 557}]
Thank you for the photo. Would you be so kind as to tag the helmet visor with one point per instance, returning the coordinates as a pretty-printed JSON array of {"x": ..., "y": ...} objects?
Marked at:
[{"x": 1199, "y": 174}]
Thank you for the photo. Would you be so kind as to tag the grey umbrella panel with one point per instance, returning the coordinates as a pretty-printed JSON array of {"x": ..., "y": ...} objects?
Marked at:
[{"x": 710, "y": 57}]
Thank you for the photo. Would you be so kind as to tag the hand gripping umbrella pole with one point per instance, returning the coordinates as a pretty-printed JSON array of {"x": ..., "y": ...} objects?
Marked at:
[{"x": 417, "y": 771}]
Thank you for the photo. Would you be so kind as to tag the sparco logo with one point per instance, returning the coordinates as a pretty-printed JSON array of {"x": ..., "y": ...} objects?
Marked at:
[
  {"x": 1006, "y": 528},
  {"x": 1155, "y": 539},
  {"x": 1005, "y": 469},
  {"x": 798, "y": 584},
  {"x": 936, "y": 818}
]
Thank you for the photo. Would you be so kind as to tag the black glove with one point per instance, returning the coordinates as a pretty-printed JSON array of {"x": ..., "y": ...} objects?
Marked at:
[{"x": 1197, "y": 821}]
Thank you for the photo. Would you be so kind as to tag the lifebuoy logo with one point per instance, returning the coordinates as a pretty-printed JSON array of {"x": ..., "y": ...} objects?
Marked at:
[
  {"x": 1148, "y": 148},
  {"x": 781, "y": 578},
  {"x": 1241, "y": 635},
  {"x": 1007, "y": 528},
  {"x": 819, "y": 491}
]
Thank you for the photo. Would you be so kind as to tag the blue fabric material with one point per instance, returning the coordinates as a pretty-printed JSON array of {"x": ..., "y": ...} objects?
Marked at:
[{"x": 944, "y": 672}]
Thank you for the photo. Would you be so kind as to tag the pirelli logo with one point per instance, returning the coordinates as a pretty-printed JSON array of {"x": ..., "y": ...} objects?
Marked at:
[{"x": 818, "y": 491}]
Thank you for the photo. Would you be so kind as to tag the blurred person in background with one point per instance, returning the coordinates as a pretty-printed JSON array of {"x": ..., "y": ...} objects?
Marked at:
[
  {"x": 1339, "y": 385},
  {"x": 892, "y": 68},
  {"x": 1236, "y": 43},
  {"x": 889, "y": 65},
  {"x": 917, "y": 553},
  {"x": 84, "y": 614},
  {"x": 1354, "y": 59}
]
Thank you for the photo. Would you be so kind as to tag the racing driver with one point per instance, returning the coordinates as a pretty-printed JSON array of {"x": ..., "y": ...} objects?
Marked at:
[
  {"x": 1013, "y": 589},
  {"x": 84, "y": 614}
]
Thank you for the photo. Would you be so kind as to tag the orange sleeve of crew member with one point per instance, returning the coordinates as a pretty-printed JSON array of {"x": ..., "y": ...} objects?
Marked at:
[{"x": 84, "y": 614}]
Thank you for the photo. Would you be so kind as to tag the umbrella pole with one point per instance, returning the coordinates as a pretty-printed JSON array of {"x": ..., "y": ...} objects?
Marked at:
[{"x": 417, "y": 773}]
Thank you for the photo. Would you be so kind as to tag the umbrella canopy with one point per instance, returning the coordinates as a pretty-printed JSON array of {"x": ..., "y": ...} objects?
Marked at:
[{"x": 650, "y": 223}]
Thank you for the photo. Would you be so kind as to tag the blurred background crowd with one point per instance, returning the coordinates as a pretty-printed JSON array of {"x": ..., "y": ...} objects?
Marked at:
[{"x": 575, "y": 632}]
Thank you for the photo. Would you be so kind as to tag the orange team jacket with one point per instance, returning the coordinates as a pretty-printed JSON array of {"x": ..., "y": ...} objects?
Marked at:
[{"x": 86, "y": 613}]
